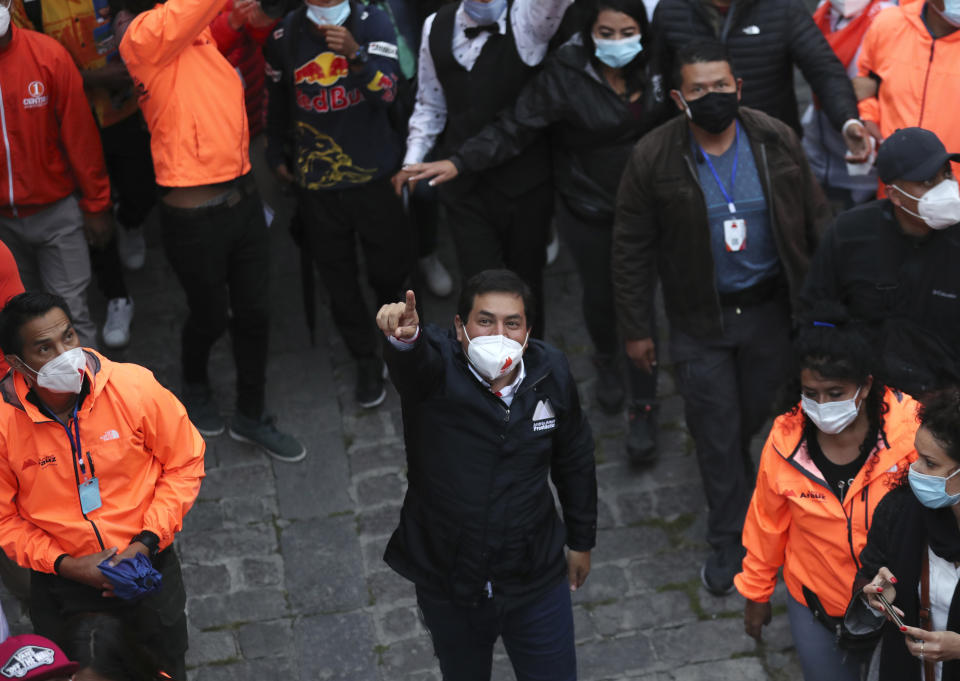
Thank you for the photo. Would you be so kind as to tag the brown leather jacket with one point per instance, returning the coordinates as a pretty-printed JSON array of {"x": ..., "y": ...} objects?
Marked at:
[{"x": 661, "y": 224}]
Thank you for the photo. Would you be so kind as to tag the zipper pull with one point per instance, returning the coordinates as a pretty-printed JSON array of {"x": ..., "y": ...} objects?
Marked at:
[{"x": 488, "y": 587}]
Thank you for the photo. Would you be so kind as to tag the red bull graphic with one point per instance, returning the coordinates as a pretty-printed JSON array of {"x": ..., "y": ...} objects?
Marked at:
[
  {"x": 385, "y": 84},
  {"x": 324, "y": 69}
]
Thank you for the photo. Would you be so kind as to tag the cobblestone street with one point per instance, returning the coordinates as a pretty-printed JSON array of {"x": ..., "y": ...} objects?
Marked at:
[{"x": 282, "y": 562}]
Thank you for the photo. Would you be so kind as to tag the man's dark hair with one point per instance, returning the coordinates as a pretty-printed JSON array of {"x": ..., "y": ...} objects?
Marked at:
[
  {"x": 699, "y": 52},
  {"x": 495, "y": 281},
  {"x": 940, "y": 414},
  {"x": 21, "y": 309},
  {"x": 103, "y": 643}
]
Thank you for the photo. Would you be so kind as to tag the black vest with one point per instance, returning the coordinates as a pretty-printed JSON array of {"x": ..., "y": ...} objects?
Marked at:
[{"x": 474, "y": 98}]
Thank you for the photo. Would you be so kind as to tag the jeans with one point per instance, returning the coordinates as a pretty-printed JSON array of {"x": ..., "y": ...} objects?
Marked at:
[
  {"x": 728, "y": 384},
  {"x": 590, "y": 244},
  {"x": 820, "y": 658},
  {"x": 538, "y": 636},
  {"x": 331, "y": 221},
  {"x": 221, "y": 256}
]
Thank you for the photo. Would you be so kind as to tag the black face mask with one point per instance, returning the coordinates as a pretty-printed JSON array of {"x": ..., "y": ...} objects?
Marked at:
[{"x": 715, "y": 111}]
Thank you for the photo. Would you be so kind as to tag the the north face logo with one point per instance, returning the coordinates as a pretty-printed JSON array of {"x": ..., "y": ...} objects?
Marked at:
[
  {"x": 110, "y": 435},
  {"x": 25, "y": 660},
  {"x": 544, "y": 417}
]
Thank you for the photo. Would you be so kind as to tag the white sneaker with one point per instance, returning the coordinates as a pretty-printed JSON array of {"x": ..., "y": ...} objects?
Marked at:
[
  {"x": 132, "y": 247},
  {"x": 437, "y": 276},
  {"x": 553, "y": 246},
  {"x": 116, "y": 332}
]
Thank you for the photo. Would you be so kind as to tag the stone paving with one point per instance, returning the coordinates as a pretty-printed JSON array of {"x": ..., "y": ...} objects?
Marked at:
[{"x": 282, "y": 562}]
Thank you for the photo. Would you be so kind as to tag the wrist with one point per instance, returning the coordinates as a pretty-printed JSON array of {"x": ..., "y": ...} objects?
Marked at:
[
  {"x": 359, "y": 57},
  {"x": 58, "y": 563},
  {"x": 850, "y": 122},
  {"x": 149, "y": 541}
]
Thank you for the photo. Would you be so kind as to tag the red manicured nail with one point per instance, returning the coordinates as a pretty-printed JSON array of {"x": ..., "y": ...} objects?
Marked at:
[
  {"x": 893, "y": 580},
  {"x": 903, "y": 628},
  {"x": 879, "y": 589}
]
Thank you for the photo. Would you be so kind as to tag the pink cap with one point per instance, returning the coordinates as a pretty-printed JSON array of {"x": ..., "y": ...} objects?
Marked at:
[{"x": 33, "y": 657}]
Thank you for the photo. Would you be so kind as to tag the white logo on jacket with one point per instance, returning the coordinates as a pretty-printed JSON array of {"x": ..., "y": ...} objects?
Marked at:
[
  {"x": 544, "y": 417},
  {"x": 37, "y": 95}
]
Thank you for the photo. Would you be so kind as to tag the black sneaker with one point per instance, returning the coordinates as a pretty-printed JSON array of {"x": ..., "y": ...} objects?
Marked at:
[
  {"x": 202, "y": 409},
  {"x": 642, "y": 435},
  {"x": 370, "y": 389},
  {"x": 264, "y": 434},
  {"x": 720, "y": 568},
  {"x": 609, "y": 388}
]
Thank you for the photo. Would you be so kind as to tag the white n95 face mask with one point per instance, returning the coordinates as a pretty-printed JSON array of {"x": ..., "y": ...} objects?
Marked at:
[
  {"x": 63, "y": 373},
  {"x": 831, "y": 417},
  {"x": 494, "y": 356},
  {"x": 939, "y": 207}
]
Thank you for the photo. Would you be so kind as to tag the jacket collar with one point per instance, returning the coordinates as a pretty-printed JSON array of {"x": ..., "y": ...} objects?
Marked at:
[{"x": 15, "y": 391}]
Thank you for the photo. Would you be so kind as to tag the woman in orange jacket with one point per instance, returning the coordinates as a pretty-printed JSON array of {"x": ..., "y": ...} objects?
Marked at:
[{"x": 826, "y": 464}]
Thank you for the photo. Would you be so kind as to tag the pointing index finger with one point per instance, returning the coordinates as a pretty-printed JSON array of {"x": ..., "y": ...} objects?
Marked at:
[{"x": 411, "y": 301}]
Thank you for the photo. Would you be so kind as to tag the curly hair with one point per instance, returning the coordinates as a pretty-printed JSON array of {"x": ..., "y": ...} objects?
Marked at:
[{"x": 939, "y": 413}]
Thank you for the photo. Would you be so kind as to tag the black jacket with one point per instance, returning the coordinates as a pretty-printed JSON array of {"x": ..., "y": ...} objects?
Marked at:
[
  {"x": 906, "y": 288},
  {"x": 478, "y": 507},
  {"x": 592, "y": 130},
  {"x": 765, "y": 40},
  {"x": 662, "y": 225}
]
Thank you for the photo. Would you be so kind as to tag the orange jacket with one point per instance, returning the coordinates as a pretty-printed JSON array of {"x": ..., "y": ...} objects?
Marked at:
[
  {"x": 49, "y": 143},
  {"x": 145, "y": 453},
  {"x": 10, "y": 285},
  {"x": 190, "y": 95},
  {"x": 795, "y": 520},
  {"x": 919, "y": 75}
]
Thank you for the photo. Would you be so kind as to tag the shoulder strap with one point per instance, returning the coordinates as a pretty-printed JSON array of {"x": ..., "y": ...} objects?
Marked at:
[
  {"x": 926, "y": 619},
  {"x": 441, "y": 37}
]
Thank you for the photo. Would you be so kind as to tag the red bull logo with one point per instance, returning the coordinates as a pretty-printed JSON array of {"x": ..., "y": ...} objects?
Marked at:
[
  {"x": 324, "y": 69},
  {"x": 385, "y": 84}
]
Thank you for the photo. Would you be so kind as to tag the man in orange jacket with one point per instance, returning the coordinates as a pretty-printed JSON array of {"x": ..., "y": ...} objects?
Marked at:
[
  {"x": 50, "y": 151},
  {"x": 214, "y": 231},
  {"x": 913, "y": 53},
  {"x": 98, "y": 462}
]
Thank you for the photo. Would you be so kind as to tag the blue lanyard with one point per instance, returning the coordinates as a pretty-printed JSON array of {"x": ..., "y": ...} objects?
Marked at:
[
  {"x": 733, "y": 175},
  {"x": 74, "y": 436}
]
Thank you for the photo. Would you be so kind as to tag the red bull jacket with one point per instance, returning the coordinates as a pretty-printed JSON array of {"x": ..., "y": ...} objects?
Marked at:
[
  {"x": 796, "y": 521},
  {"x": 327, "y": 121},
  {"x": 190, "y": 95},
  {"x": 137, "y": 441},
  {"x": 50, "y": 143}
]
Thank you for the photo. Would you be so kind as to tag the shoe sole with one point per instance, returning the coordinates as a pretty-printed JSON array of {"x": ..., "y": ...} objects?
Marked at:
[
  {"x": 375, "y": 403},
  {"x": 208, "y": 432},
  {"x": 273, "y": 455},
  {"x": 710, "y": 589}
]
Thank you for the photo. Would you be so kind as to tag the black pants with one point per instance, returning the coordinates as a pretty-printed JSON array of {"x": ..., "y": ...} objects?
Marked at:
[
  {"x": 157, "y": 622},
  {"x": 332, "y": 221},
  {"x": 126, "y": 151},
  {"x": 221, "y": 256},
  {"x": 492, "y": 230},
  {"x": 728, "y": 384},
  {"x": 590, "y": 244}
]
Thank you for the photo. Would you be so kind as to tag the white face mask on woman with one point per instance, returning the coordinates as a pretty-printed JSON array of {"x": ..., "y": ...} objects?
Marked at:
[
  {"x": 939, "y": 207},
  {"x": 831, "y": 417},
  {"x": 494, "y": 356}
]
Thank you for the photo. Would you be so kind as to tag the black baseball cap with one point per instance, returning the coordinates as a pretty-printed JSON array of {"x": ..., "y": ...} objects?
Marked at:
[{"x": 912, "y": 154}]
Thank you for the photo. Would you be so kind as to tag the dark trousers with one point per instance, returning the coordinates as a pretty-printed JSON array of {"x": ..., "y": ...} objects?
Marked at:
[
  {"x": 538, "y": 636},
  {"x": 492, "y": 230},
  {"x": 157, "y": 622},
  {"x": 332, "y": 221},
  {"x": 126, "y": 151},
  {"x": 590, "y": 244},
  {"x": 221, "y": 256},
  {"x": 728, "y": 384}
]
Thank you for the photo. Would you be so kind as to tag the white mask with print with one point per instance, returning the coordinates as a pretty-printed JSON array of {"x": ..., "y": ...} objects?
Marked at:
[
  {"x": 63, "y": 373},
  {"x": 494, "y": 356}
]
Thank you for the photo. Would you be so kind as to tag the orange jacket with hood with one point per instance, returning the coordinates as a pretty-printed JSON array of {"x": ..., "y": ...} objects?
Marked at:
[
  {"x": 796, "y": 521},
  {"x": 136, "y": 439},
  {"x": 190, "y": 95},
  {"x": 919, "y": 76}
]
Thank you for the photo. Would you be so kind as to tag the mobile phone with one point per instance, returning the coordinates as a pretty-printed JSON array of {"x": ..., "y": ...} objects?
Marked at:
[{"x": 889, "y": 609}]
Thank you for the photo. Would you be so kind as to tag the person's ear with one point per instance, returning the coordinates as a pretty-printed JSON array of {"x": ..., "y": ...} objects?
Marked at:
[
  {"x": 739, "y": 89},
  {"x": 893, "y": 195},
  {"x": 866, "y": 388},
  {"x": 458, "y": 327}
]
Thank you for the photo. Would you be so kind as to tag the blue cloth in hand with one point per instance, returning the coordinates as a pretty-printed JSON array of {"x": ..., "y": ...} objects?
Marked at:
[{"x": 132, "y": 578}]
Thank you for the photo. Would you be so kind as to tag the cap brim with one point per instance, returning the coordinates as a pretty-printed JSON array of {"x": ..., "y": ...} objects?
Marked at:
[{"x": 928, "y": 168}]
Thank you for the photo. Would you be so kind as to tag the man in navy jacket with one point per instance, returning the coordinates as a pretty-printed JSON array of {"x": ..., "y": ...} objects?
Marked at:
[{"x": 488, "y": 414}]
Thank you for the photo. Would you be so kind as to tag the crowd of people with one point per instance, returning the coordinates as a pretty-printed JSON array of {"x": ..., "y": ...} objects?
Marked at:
[{"x": 807, "y": 265}]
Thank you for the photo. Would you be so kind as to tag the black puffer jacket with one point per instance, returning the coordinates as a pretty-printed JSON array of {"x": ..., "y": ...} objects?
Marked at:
[
  {"x": 478, "y": 507},
  {"x": 765, "y": 39},
  {"x": 592, "y": 130}
]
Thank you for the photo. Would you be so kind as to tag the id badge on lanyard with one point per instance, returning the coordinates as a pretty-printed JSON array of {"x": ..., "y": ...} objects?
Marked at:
[
  {"x": 89, "y": 490},
  {"x": 734, "y": 228}
]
